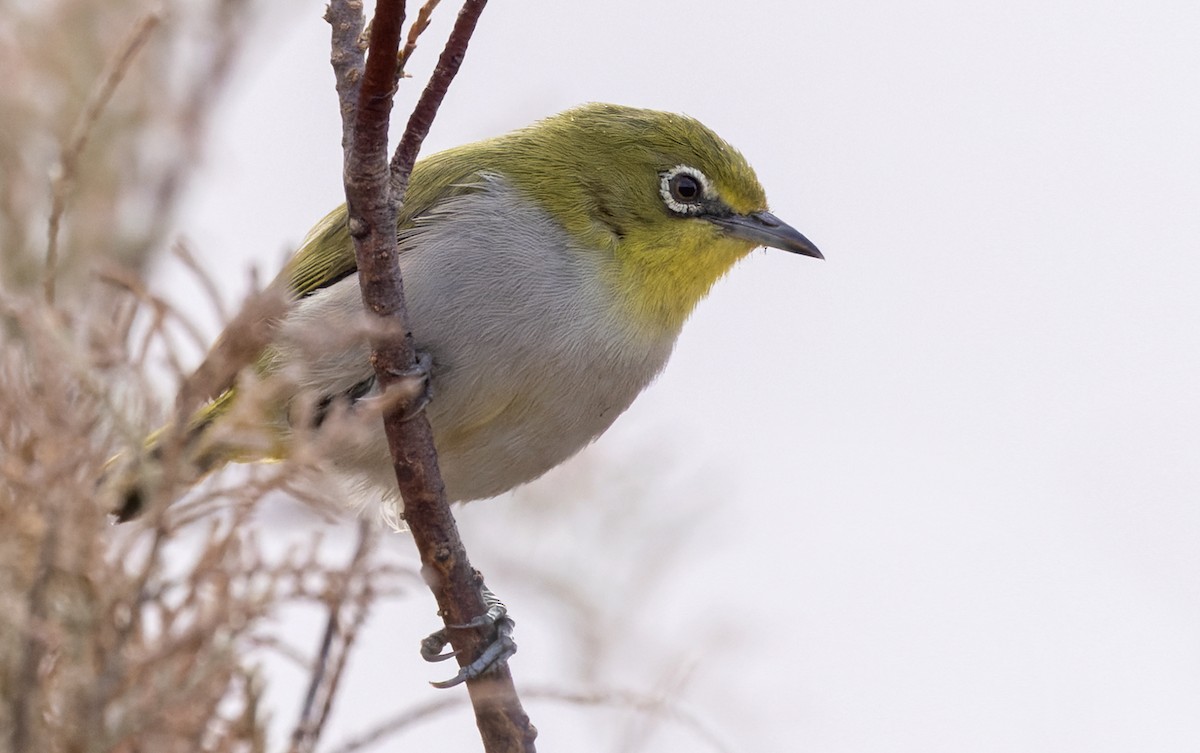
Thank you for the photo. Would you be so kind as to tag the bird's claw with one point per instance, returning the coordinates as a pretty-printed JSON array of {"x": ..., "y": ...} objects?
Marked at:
[
  {"x": 496, "y": 653},
  {"x": 501, "y": 647},
  {"x": 420, "y": 371},
  {"x": 432, "y": 645},
  {"x": 495, "y": 613}
]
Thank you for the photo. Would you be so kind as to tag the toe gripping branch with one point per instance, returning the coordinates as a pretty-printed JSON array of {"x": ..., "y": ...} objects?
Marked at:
[
  {"x": 500, "y": 647},
  {"x": 424, "y": 392}
]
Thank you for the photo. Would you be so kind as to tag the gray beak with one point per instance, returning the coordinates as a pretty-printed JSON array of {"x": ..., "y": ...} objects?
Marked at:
[{"x": 766, "y": 229}]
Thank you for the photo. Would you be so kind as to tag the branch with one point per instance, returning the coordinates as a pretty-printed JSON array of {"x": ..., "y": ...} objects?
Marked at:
[
  {"x": 348, "y": 59},
  {"x": 372, "y": 195},
  {"x": 415, "y": 31},
  {"x": 68, "y": 161},
  {"x": 335, "y": 646},
  {"x": 621, "y": 700},
  {"x": 431, "y": 99}
]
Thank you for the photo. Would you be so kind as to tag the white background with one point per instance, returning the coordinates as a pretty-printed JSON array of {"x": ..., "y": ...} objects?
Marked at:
[{"x": 937, "y": 493}]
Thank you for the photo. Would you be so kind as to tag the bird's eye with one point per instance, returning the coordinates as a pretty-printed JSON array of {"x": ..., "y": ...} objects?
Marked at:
[{"x": 684, "y": 190}]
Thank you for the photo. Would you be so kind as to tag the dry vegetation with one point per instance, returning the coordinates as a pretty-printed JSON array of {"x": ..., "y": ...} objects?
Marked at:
[{"x": 139, "y": 637}]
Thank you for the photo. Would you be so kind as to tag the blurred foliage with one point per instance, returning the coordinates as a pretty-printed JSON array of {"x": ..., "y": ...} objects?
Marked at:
[{"x": 142, "y": 148}]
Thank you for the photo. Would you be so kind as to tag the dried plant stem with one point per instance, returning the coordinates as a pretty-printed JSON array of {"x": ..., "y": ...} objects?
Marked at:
[
  {"x": 181, "y": 250},
  {"x": 654, "y": 706},
  {"x": 373, "y": 192},
  {"x": 27, "y": 705},
  {"x": 400, "y": 722},
  {"x": 336, "y": 643},
  {"x": 415, "y": 31},
  {"x": 241, "y": 344},
  {"x": 68, "y": 163}
]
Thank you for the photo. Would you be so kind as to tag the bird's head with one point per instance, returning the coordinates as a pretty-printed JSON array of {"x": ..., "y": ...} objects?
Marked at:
[{"x": 673, "y": 203}]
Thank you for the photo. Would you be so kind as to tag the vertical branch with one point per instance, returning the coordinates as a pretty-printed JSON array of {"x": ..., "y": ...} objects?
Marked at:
[
  {"x": 373, "y": 191},
  {"x": 27, "y": 705},
  {"x": 348, "y": 57}
]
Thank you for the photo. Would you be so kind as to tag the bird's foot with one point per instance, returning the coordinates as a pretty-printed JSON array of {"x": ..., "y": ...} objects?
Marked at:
[
  {"x": 494, "y": 655},
  {"x": 416, "y": 384}
]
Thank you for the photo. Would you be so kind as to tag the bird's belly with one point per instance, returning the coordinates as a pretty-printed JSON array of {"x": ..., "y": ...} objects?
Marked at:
[
  {"x": 534, "y": 428},
  {"x": 501, "y": 422}
]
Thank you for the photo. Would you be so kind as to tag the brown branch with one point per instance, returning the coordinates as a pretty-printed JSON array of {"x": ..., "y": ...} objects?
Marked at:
[
  {"x": 431, "y": 98},
  {"x": 68, "y": 162},
  {"x": 372, "y": 195},
  {"x": 241, "y": 343}
]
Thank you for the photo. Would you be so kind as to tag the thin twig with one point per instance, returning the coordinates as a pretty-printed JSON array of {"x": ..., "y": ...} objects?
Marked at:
[
  {"x": 415, "y": 31},
  {"x": 68, "y": 163},
  {"x": 335, "y": 649},
  {"x": 431, "y": 98},
  {"x": 197, "y": 107},
  {"x": 241, "y": 343},
  {"x": 401, "y": 721},
  {"x": 162, "y": 311},
  {"x": 655, "y": 706},
  {"x": 646, "y": 704},
  {"x": 182, "y": 251}
]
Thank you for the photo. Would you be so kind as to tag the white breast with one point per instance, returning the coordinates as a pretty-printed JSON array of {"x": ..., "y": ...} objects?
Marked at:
[{"x": 532, "y": 358}]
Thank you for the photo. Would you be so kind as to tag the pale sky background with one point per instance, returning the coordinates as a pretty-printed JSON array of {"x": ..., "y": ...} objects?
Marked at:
[{"x": 944, "y": 487}]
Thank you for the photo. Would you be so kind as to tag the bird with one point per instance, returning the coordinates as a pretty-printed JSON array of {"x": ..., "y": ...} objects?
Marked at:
[{"x": 548, "y": 273}]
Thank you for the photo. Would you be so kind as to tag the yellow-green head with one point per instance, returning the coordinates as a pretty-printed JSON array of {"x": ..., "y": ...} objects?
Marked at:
[{"x": 672, "y": 202}]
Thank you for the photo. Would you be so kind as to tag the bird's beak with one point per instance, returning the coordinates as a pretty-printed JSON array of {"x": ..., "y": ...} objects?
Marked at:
[{"x": 766, "y": 229}]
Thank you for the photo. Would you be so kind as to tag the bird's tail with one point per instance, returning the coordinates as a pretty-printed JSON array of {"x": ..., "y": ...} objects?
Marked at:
[{"x": 168, "y": 462}]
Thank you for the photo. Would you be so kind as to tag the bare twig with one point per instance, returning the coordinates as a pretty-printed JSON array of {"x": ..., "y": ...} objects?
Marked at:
[
  {"x": 647, "y": 704},
  {"x": 182, "y": 251},
  {"x": 415, "y": 31},
  {"x": 240, "y": 344},
  {"x": 431, "y": 98},
  {"x": 400, "y": 722},
  {"x": 335, "y": 647},
  {"x": 68, "y": 163},
  {"x": 372, "y": 194},
  {"x": 161, "y": 309},
  {"x": 654, "y": 706}
]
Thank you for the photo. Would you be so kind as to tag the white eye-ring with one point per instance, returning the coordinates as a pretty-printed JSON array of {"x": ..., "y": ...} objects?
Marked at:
[{"x": 684, "y": 189}]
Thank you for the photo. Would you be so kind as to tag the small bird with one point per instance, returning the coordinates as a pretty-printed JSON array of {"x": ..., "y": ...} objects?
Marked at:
[{"x": 547, "y": 272}]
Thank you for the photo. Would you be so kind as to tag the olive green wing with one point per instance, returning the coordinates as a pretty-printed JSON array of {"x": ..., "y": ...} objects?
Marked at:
[{"x": 327, "y": 254}]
